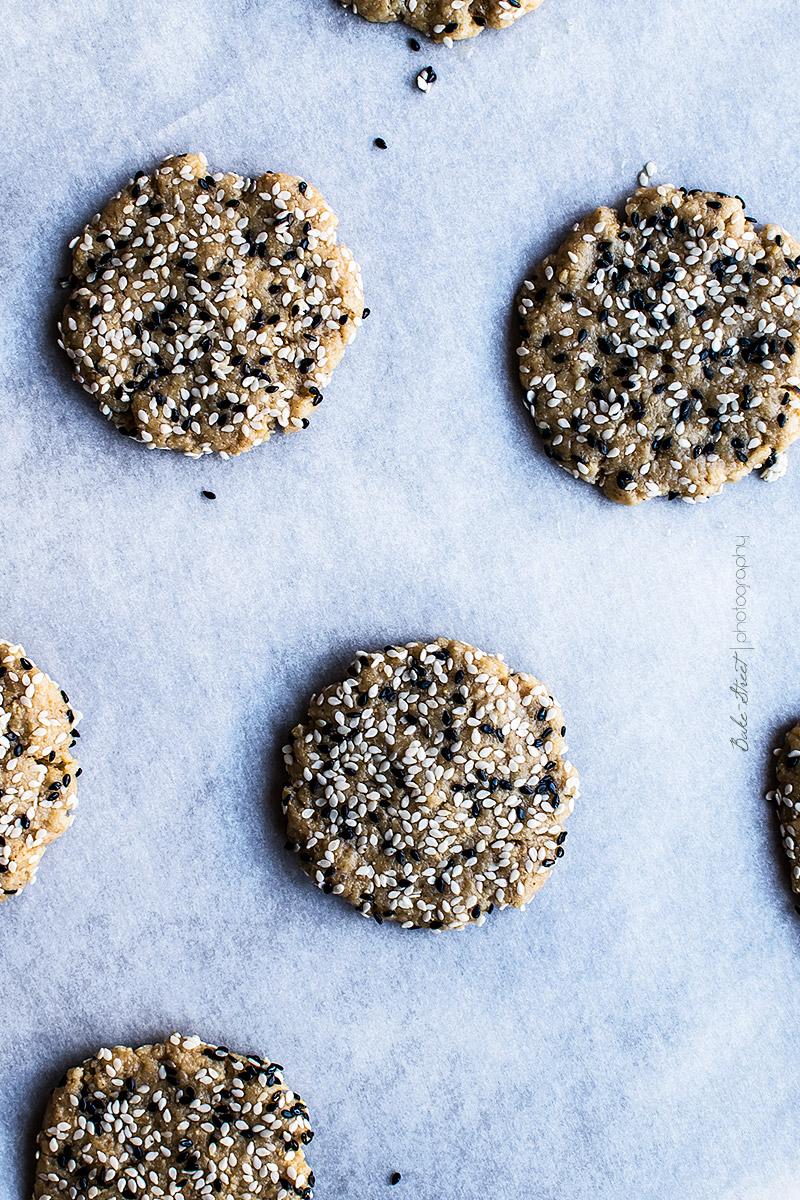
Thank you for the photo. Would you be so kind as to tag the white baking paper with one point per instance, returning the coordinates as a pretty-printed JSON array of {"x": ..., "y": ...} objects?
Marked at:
[{"x": 633, "y": 1033}]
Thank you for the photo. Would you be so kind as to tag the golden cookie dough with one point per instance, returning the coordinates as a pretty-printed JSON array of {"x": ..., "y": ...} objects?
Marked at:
[
  {"x": 37, "y": 771},
  {"x": 787, "y": 798},
  {"x": 445, "y": 19},
  {"x": 180, "y": 1119},
  {"x": 430, "y": 786},
  {"x": 659, "y": 348},
  {"x": 206, "y": 310}
]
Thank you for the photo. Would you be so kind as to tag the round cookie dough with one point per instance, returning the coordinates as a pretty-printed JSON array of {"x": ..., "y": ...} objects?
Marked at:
[
  {"x": 445, "y": 19},
  {"x": 659, "y": 348},
  {"x": 430, "y": 786},
  {"x": 37, "y": 771},
  {"x": 207, "y": 310},
  {"x": 180, "y": 1119},
  {"x": 787, "y": 798}
]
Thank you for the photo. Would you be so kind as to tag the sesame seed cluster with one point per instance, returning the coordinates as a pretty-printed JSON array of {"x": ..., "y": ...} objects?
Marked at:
[
  {"x": 787, "y": 799},
  {"x": 445, "y": 20},
  {"x": 430, "y": 786},
  {"x": 179, "y": 1119},
  {"x": 37, "y": 771},
  {"x": 206, "y": 310},
  {"x": 658, "y": 349}
]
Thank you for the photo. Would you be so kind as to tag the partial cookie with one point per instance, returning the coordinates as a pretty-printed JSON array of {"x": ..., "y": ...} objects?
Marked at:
[
  {"x": 180, "y": 1119},
  {"x": 442, "y": 19},
  {"x": 787, "y": 798},
  {"x": 430, "y": 786},
  {"x": 208, "y": 310},
  {"x": 659, "y": 348},
  {"x": 37, "y": 771}
]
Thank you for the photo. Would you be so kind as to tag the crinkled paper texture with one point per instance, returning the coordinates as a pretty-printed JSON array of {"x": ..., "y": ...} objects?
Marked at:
[{"x": 632, "y": 1033}]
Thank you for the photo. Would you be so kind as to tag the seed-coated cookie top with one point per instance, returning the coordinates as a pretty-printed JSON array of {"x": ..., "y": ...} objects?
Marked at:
[
  {"x": 442, "y": 19},
  {"x": 207, "y": 310},
  {"x": 659, "y": 349},
  {"x": 37, "y": 770},
  {"x": 787, "y": 797},
  {"x": 430, "y": 785},
  {"x": 180, "y": 1119}
]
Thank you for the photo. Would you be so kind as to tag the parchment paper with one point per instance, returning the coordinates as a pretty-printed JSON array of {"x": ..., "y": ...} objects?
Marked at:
[{"x": 634, "y": 1033}]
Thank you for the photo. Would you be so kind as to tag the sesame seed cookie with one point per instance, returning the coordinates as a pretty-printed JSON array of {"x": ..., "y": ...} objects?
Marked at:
[
  {"x": 787, "y": 798},
  {"x": 179, "y": 1119},
  {"x": 37, "y": 771},
  {"x": 430, "y": 786},
  {"x": 445, "y": 20},
  {"x": 658, "y": 349},
  {"x": 207, "y": 310}
]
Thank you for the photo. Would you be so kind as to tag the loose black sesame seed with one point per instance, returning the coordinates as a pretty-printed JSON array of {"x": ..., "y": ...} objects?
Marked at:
[{"x": 380, "y": 143}]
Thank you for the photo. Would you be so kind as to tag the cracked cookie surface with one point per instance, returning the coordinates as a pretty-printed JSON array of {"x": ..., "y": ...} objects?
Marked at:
[
  {"x": 206, "y": 311},
  {"x": 38, "y": 774},
  {"x": 659, "y": 347},
  {"x": 430, "y": 785},
  {"x": 177, "y": 1119}
]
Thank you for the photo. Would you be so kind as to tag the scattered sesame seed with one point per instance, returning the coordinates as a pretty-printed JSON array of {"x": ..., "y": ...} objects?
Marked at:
[
  {"x": 380, "y": 143},
  {"x": 426, "y": 77},
  {"x": 210, "y": 495}
]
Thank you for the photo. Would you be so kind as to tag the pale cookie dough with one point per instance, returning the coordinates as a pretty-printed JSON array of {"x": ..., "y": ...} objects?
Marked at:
[
  {"x": 207, "y": 310},
  {"x": 787, "y": 798},
  {"x": 430, "y": 786},
  {"x": 37, "y": 771},
  {"x": 445, "y": 19},
  {"x": 180, "y": 1119},
  {"x": 659, "y": 348}
]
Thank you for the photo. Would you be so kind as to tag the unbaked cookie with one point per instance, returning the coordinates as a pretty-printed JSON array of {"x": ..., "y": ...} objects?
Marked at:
[
  {"x": 442, "y": 19},
  {"x": 37, "y": 771},
  {"x": 659, "y": 348},
  {"x": 430, "y": 786},
  {"x": 787, "y": 798},
  {"x": 180, "y": 1119},
  {"x": 207, "y": 310}
]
